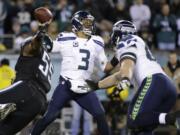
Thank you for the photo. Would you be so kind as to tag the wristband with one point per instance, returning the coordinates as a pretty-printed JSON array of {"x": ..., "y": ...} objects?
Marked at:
[{"x": 114, "y": 61}]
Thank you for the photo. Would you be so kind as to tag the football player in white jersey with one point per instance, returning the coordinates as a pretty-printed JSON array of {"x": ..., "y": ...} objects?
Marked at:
[
  {"x": 80, "y": 52},
  {"x": 156, "y": 94}
]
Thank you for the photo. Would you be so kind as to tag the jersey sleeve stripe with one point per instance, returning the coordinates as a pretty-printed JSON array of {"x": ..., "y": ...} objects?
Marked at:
[
  {"x": 66, "y": 38},
  {"x": 128, "y": 55},
  {"x": 98, "y": 43},
  {"x": 128, "y": 58}
]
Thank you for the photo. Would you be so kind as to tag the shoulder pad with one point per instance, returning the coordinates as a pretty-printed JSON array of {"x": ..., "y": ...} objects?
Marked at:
[
  {"x": 128, "y": 41},
  {"x": 66, "y": 36},
  {"x": 98, "y": 40}
]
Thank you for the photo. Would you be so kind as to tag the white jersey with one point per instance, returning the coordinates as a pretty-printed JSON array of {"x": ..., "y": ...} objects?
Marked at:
[
  {"x": 133, "y": 47},
  {"x": 79, "y": 56}
]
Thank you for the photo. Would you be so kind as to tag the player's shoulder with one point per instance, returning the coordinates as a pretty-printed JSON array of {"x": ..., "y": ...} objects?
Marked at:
[
  {"x": 129, "y": 38},
  {"x": 97, "y": 40},
  {"x": 130, "y": 41},
  {"x": 66, "y": 36},
  {"x": 138, "y": 38},
  {"x": 26, "y": 41}
]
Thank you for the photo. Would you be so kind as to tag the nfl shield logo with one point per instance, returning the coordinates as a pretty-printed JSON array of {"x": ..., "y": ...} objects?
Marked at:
[{"x": 75, "y": 44}]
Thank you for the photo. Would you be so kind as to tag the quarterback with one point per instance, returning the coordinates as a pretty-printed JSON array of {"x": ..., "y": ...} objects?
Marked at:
[
  {"x": 156, "y": 94},
  {"x": 80, "y": 51}
]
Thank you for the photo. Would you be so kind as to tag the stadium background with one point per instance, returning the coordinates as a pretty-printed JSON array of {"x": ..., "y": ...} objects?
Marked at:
[{"x": 17, "y": 22}]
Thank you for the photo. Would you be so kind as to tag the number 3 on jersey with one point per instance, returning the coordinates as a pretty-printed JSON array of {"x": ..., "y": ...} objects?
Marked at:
[
  {"x": 46, "y": 68},
  {"x": 84, "y": 59}
]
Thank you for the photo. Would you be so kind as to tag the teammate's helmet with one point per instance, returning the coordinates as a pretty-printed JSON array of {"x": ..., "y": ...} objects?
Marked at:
[
  {"x": 121, "y": 28},
  {"x": 83, "y": 21}
]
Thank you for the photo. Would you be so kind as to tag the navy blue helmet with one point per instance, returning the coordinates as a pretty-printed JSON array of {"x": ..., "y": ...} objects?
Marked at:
[
  {"x": 121, "y": 28},
  {"x": 83, "y": 21}
]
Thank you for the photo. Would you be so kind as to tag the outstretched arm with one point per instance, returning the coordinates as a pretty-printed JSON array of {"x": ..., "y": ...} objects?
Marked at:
[
  {"x": 120, "y": 79},
  {"x": 125, "y": 71},
  {"x": 32, "y": 46}
]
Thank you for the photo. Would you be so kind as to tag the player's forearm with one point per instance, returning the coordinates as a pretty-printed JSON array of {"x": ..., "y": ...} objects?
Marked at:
[
  {"x": 126, "y": 71},
  {"x": 126, "y": 68},
  {"x": 37, "y": 41},
  {"x": 115, "y": 69},
  {"x": 109, "y": 81}
]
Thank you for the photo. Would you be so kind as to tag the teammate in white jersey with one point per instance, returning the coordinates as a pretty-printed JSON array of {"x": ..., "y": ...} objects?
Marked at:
[
  {"x": 80, "y": 52},
  {"x": 156, "y": 94}
]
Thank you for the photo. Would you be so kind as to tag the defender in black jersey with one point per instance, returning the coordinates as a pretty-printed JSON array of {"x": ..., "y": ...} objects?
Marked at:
[{"x": 33, "y": 81}]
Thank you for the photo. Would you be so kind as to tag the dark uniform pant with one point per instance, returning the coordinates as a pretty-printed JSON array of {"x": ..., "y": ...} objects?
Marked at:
[
  {"x": 61, "y": 96},
  {"x": 156, "y": 95},
  {"x": 29, "y": 102}
]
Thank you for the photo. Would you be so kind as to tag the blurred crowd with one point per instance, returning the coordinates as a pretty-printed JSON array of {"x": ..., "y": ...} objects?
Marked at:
[{"x": 157, "y": 21}]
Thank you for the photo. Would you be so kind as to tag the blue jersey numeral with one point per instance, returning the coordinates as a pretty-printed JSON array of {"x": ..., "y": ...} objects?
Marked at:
[{"x": 84, "y": 59}]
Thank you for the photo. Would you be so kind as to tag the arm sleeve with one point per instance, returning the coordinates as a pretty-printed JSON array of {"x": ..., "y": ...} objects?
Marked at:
[{"x": 128, "y": 52}]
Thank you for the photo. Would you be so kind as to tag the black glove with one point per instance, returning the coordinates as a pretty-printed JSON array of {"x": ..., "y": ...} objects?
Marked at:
[
  {"x": 92, "y": 85},
  {"x": 42, "y": 30},
  {"x": 40, "y": 34},
  {"x": 43, "y": 27},
  {"x": 171, "y": 118}
]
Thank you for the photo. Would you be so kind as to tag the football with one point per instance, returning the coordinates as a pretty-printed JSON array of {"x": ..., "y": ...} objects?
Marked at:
[{"x": 43, "y": 14}]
